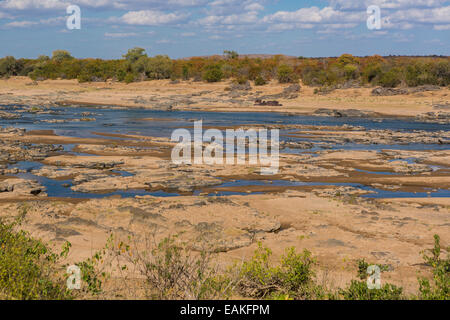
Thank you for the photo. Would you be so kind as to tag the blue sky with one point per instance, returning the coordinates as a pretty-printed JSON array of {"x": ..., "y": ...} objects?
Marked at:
[{"x": 183, "y": 28}]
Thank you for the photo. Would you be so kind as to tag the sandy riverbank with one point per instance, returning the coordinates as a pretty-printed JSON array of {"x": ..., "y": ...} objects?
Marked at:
[{"x": 214, "y": 97}]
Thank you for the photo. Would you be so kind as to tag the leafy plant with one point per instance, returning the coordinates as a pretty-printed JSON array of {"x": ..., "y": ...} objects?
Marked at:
[
  {"x": 28, "y": 268},
  {"x": 438, "y": 288}
]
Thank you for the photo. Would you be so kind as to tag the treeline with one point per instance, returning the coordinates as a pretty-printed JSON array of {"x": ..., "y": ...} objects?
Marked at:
[{"x": 136, "y": 65}]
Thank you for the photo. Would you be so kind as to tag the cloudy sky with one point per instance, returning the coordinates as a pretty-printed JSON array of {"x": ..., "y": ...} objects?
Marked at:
[{"x": 183, "y": 28}]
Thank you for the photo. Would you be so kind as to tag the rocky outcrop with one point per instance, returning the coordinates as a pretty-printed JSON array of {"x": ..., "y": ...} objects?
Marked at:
[
  {"x": 20, "y": 187},
  {"x": 434, "y": 117},
  {"x": 8, "y": 115},
  {"x": 402, "y": 91},
  {"x": 273, "y": 103},
  {"x": 388, "y": 92},
  {"x": 344, "y": 113},
  {"x": 290, "y": 92}
]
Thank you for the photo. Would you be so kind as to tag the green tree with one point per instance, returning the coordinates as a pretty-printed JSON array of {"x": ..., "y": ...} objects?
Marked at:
[
  {"x": 134, "y": 54},
  {"x": 231, "y": 54},
  {"x": 9, "y": 66},
  {"x": 213, "y": 73},
  {"x": 159, "y": 67},
  {"x": 61, "y": 55},
  {"x": 286, "y": 74}
]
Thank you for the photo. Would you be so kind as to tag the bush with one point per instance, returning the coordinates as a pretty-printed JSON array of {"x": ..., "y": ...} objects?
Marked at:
[
  {"x": 158, "y": 67},
  {"x": 9, "y": 66},
  {"x": 172, "y": 271},
  {"x": 28, "y": 268},
  {"x": 372, "y": 73},
  {"x": 391, "y": 79},
  {"x": 84, "y": 77},
  {"x": 286, "y": 74},
  {"x": 129, "y": 78},
  {"x": 213, "y": 74},
  {"x": 439, "y": 288},
  {"x": 358, "y": 290},
  {"x": 293, "y": 278},
  {"x": 260, "y": 81},
  {"x": 61, "y": 55},
  {"x": 134, "y": 54}
]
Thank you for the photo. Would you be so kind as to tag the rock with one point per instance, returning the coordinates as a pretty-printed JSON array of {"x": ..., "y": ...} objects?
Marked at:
[
  {"x": 424, "y": 88},
  {"x": 388, "y": 91},
  {"x": 8, "y": 115},
  {"x": 442, "y": 106},
  {"x": 351, "y": 113},
  {"x": 21, "y": 187},
  {"x": 291, "y": 91},
  {"x": 392, "y": 91},
  {"x": 274, "y": 103},
  {"x": 434, "y": 117},
  {"x": 241, "y": 87}
]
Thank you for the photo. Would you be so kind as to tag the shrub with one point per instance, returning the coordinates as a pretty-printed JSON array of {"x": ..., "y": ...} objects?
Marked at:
[
  {"x": 286, "y": 74},
  {"x": 391, "y": 79},
  {"x": 129, "y": 78},
  {"x": 260, "y": 81},
  {"x": 372, "y": 73},
  {"x": 9, "y": 66},
  {"x": 84, "y": 77},
  {"x": 185, "y": 73},
  {"x": 231, "y": 54},
  {"x": 358, "y": 290},
  {"x": 121, "y": 74},
  {"x": 363, "y": 265},
  {"x": 293, "y": 278},
  {"x": 61, "y": 55},
  {"x": 158, "y": 67},
  {"x": 172, "y": 271},
  {"x": 134, "y": 54},
  {"x": 28, "y": 268},
  {"x": 213, "y": 74},
  {"x": 438, "y": 289}
]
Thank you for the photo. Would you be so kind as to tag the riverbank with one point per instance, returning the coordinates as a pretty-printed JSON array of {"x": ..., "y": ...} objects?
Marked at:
[{"x": 222, "y": 97}]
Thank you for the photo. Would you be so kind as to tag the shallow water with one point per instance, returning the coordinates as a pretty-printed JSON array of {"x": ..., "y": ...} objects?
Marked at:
[{"x": 129, "y": 121}]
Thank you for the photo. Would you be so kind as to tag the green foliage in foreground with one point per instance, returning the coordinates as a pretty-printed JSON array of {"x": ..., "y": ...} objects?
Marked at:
[
  {"x": 439, "y": 287},
  {"x": 358, "y": 290},
  {"x": 292, "y": 279},
  {"x": 30, "y": 270}
]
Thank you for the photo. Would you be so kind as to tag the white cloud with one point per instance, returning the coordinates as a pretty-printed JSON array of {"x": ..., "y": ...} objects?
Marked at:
[
  {"x": 119, "y": 4},
  {"x": 27, "y": 23},
  {"x": 254, "y": 7},
  {"x": 33, "y": 4},
  {"x": 152, "y": 18},
  {"x": 250, "y": 17},
  {"x": 442, "y": 27},
  {"x": 386, "y": 4},
  {"x": 21, "y": 24},
  {"x": 120, "y": 35},
  {"x": 316, "y": 15}
]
